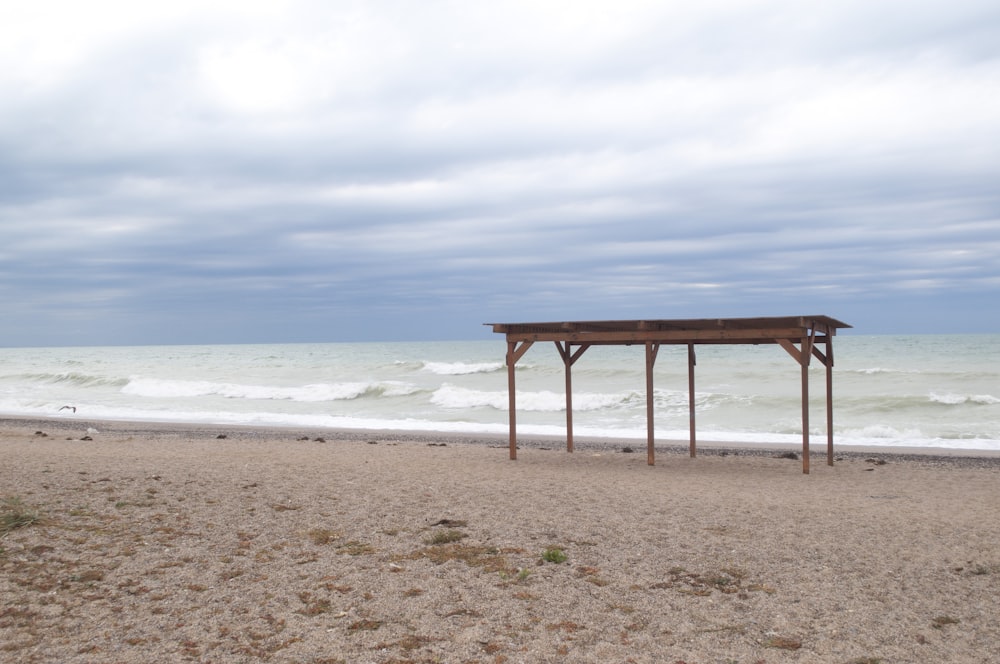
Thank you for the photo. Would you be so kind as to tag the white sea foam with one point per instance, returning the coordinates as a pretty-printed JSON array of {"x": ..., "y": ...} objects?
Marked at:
[
  {"x": 462, "y": 368},
  {"x": 452, "y": 396},
  {"x": 952, "y": 399},
  {"x": 318, "y": 392}
]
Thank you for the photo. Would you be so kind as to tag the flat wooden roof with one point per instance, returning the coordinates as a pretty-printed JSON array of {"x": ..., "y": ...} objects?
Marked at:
[{"x": 674, "y": 331}]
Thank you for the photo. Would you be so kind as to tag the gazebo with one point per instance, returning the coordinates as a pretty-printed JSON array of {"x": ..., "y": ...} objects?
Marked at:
[{"x": 803, "y": 337}]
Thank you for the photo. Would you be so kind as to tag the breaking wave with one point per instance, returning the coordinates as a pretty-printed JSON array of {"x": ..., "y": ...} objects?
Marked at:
[
  {"x": 462, "y": 368},
  {"x": 167, "y": 389}
]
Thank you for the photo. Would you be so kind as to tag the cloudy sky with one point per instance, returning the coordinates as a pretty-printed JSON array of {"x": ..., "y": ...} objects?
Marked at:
[{"x": 313, "y": 170}]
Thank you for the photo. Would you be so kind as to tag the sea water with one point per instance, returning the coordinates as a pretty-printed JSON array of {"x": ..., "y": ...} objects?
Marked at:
[{"x": 923, "y": 390}]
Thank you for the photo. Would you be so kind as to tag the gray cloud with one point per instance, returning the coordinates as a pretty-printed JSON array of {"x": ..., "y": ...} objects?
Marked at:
[{"x": 243, "y": 172}]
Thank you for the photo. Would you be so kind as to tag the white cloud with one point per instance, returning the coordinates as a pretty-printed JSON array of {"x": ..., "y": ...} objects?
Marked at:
[{"x": 553, "y": 156}]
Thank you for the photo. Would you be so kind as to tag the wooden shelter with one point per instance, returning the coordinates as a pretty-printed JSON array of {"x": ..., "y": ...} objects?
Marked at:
[{"x": 804, "y": 337}]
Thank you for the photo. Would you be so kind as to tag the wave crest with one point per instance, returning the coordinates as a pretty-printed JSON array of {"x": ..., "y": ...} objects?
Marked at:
[
  {"x": 462, "y": 368},
  {"x": 74, "y": 379},
  {"x": 952, "y": 399},
  {"x": 318, "y": 392}
]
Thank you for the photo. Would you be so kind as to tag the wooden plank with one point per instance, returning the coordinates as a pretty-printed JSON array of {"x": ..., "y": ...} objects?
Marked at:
[
  {"x": 518, "y": 353},
  {"x": 663, "y": 336},
  {"x": 792, "y": 350},
  {"x": 822, "y": 324},
  {"x": 579, "y": 351}
]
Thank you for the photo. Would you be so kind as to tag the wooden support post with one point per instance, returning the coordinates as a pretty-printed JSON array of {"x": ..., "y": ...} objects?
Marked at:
[
  {"x": 651, "y": 351},
  {"x": 804, "y": 359},
  {"x": 514, "y": 353},
  {"x": 512, "y": 399},
  {"x": 569, "y": 359},
  {"x": 568, "y": 363},
  {"x": 829, "y": 400},
  {"x": 805, "y": 410},
  {"x": 569, "y": 401},
  {"x": 827, "y": 360},
  {"x": 691, "y": 363}
]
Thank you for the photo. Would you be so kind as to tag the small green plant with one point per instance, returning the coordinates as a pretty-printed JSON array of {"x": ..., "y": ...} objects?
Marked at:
[
  {"x": 354, "y": 548},
  {"x": 321, "y": 536},
  {"x": 554, "y": 555},
  {"x": 522, "y": 575},
  {"x": 15, "y": 514},
  {"x": 445, "y": 537},
  {"x": 490, "y": 559}
]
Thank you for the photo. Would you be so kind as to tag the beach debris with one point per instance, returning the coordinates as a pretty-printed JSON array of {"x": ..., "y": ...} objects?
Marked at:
[
  {"x": 940, "y": 621},
  {"x": 783, "y": 642},
  {"x": 437, "y": 444},
  {"x": 877, "y": 462},
  {"x": 373, "y": 442},
  {"x": 787, "y": 455},
  {"x": 365, "y": 625},
  {"x": 451, "y": 523},
  {"x": 302, "y": 438},
  {"x": 85, "y": 438},
  {"x": 42, "y": 434},
  {"x": 319, "y": 440},
  {"x": 72, "y": 408},
  {"x": 221, "y": 436},
  {"x": 627, "y": 450}
]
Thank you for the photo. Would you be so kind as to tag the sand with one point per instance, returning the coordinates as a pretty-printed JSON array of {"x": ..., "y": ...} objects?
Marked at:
[{"x": 157, "y": 543}]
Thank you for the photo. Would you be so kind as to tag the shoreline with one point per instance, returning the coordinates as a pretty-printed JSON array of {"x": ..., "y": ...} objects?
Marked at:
[{"x": 581, "y": 443}]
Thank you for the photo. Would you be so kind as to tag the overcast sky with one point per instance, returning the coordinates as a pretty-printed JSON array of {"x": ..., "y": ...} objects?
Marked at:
[{"x": 212, "y": 172}]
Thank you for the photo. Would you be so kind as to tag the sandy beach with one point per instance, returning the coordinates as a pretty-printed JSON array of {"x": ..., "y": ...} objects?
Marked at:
[{"x": 139, "y": 543}]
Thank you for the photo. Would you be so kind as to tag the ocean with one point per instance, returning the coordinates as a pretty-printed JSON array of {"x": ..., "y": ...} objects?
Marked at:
[{"x": 931, "y": 391}]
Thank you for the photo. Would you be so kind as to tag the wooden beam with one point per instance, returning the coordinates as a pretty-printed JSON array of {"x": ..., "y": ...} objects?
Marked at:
[
  {"x": 662, "y": 336},
  {"x": 519, "y": 352},
  {"x": 792, "y": 350}
]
